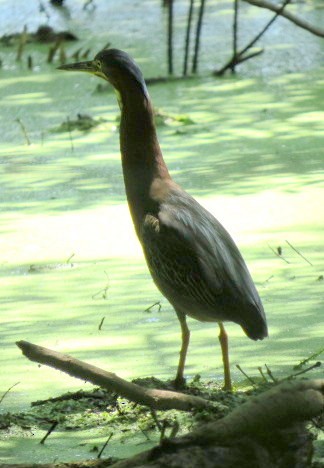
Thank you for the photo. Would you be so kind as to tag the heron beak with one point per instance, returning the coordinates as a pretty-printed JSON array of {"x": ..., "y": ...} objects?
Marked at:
[{"x": 89, "y": 67}]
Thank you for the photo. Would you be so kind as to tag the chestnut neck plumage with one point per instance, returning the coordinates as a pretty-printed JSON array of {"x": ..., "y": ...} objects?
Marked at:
[{"x": 142, "y": 159}]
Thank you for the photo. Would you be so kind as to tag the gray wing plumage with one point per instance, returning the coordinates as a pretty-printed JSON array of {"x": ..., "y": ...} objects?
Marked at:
[{"x": 196, "y": 264}]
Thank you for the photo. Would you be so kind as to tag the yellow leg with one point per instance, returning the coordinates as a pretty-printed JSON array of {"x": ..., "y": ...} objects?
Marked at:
[
  {"x": 223, "y": 339},
  {"x": 185, "y": 338}
]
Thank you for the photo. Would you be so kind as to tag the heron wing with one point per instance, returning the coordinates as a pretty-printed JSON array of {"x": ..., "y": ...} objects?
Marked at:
[{"x": 216, "y": 258}]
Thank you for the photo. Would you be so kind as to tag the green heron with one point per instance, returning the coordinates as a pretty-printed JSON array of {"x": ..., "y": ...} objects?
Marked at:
[{"x": 192, "y": 259}]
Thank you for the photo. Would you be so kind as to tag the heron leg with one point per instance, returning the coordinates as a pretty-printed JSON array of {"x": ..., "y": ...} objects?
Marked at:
[
  {"x": 185, "y": 338},
  {"x": 223, "y": 339}
]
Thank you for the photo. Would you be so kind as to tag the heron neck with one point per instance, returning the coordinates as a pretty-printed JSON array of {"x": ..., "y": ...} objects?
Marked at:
[{"x": 142, "y": 159}]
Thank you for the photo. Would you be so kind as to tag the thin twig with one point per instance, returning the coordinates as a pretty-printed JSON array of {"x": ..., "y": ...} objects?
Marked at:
[
  {"x": 70, "y": 258},
  {"x": 305, "y": 361},
  {"x": 266, "y": 27},
  {"x": 277, "y": 255},
  {"x": 170, "y": 37},
  {"x": 7, "y": 391},
  {"x": 187, "y": 39},
  {"x": 101, "y": 323},
  {"x": 249, "y": 56},
  {"x": 158, "y": 303},
  {"x": 317, "y": 364},
  {"x": 299, "y": 253},
  {"x": 245, "y": 374},
  {"x": 51, "y": 429},
  {"x": 103, "y": 290},
  {"x": 235, "y": 60},
  {"x": 198, "y": 33},
  {"x": 262, "y": 374},
  {"x": 289, "y": 16},
  {"x": 235, "y": 30},
  {"x": 270, "y": 374},
  {"x": 145, "y": 435},
  {"x": 105, "y": 445}
]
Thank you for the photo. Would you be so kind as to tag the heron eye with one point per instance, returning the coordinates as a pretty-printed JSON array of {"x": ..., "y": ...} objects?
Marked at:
[{"x": 98, "y": 64}]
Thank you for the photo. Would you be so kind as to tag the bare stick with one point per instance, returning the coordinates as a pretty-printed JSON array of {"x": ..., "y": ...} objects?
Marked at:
[
  {"x": 158, "y": 303},
  {"x": 51, "y": 429},
  {"x": 239, "y": 58},
  {"x": 262, "y": 374},
  {"x": 305, "y": 361},
  {"x": 198, "y": 33},
  {"x": 266, "y": 27},
  {"x": 245, "y": 374},
  {"x": 170, "y": 37},
  {"x": 103, "y": 291},
  {"x": 105, "y": 445},
  {"x": 270, "y": 374},
  {"x": 277, "y": 255},
  {"x": 101, "y": 323},
  {"x": 299, "y": 253},
  {"x": 157, "y": 399},
  {"x": 7, "y": 391},
  {"x": 187, "y": 39},
  {"x": 235, "y": 28},
  {"x": 289, "y": 16},
  {"x": 70, "y": 258},
  {"x": 314, "y": 366}
]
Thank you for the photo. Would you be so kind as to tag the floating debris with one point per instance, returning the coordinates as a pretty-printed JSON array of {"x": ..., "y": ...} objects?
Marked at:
[
  {"x": 162, "y": 118},
  {"x": 83, "y": 122},
  {"x": 44, "y": 34}
]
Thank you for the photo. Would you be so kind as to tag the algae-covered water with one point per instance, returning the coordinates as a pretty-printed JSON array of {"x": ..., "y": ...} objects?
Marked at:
[{"x": 253, "y": 155}]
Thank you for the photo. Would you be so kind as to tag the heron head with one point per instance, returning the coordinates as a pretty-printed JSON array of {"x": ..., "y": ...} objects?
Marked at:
[{"x": 113, "y": 65}]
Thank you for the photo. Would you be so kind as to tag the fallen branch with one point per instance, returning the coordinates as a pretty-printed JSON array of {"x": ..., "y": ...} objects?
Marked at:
[
  {"x": 239, "y": 55},
  {"x": 156, "y": 399},
  {"x": 289, "y": 16}
]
